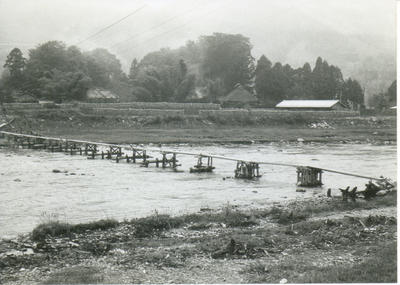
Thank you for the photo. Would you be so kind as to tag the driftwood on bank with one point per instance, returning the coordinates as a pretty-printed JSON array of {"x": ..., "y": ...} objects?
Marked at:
[{"x": 371, "y": 190}]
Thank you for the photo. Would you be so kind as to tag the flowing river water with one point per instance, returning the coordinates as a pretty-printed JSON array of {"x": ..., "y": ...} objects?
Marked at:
[{"x": 88, "y": 190}]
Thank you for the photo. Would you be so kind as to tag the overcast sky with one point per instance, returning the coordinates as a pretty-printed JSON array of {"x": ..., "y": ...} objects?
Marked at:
[{"x": 284, "y": 30}]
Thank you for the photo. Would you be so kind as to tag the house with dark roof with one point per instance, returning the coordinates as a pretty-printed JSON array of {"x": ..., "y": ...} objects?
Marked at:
[
  {"x": 238, "y": 97},
  {"x": 311, "y": 105}
]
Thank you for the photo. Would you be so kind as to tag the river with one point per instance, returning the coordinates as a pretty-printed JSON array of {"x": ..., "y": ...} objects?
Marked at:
[{"x": 87, "y": 190}]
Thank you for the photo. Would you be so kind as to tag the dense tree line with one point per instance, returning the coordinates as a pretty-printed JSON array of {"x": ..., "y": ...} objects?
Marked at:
[
  {"x": 215, "y": 64},
  {"x": 202, "y": 70},
  {"x": 56, "y": 72},
  {"x": 274, "y": 83}
]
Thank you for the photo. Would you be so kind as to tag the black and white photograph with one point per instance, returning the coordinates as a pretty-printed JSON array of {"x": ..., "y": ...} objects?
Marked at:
[{"x": 198, "y": 141}]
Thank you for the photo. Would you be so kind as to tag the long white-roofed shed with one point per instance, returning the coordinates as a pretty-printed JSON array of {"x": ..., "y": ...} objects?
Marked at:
[{"x": 323, "y": 105}]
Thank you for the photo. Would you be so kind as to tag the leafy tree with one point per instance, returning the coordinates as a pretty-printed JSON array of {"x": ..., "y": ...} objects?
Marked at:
[
  {"x": 147, "y": 85},
  {"x": 60, "y": 86},
  {"x": 104, "y": 67},
  {"x": 229, "y": 58},
  {"x": 43, "y": 60},
  {"x": 161, "y": 76},
  {"x": 352, "y": 92}
]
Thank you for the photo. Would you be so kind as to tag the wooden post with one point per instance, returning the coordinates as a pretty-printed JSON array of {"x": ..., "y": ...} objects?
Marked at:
[
  {"x": 174, "y": 160},
  {"x": 157, "y": 162},
  {"x": 163, "y": 160},
  {"x": 134, "y": 156},
  {"x": 144, "y": 156}
]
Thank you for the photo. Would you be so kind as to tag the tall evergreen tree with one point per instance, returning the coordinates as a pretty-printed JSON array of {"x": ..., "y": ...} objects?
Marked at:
[
  {"x": 327, "y": 80},
  {"x": 15, "y": 64},
  {"x": 133, "y": 69}
]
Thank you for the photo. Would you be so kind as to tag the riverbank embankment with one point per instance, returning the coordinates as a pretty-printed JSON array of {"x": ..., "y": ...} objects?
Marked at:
[
  {"x": 319, "y": 240},
  {"x": 121, "y": 124}
]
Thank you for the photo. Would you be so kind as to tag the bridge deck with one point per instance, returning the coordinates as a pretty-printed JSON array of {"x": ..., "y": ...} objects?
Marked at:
[{"x": 164, "y": 151}]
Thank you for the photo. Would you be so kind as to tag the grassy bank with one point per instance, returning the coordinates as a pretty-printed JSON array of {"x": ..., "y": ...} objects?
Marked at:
[
  {"x": 323, "y": 240},
  {"x": 195, "y": 129}
]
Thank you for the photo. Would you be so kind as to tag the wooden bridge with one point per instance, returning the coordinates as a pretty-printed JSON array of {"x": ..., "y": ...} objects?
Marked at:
[{"x": 246, "y": 169}]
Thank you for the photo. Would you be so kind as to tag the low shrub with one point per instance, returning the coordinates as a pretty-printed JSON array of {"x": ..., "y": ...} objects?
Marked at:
[
  {"x": 50, "y": 229},
  {"x": 155, "y": 224},
  {"x": 57, "y": 228}
]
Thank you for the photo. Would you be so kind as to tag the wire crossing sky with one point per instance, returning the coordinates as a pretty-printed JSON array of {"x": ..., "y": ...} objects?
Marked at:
[{"x": 111, "y": 25}]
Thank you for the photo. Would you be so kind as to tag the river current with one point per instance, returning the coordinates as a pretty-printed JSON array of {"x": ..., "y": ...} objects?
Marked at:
[{"x": 87, "y": 190}]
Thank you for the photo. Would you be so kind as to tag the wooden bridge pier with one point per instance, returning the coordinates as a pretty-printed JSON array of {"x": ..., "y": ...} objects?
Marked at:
[
  {"x": 200, "y": 168},
  {"x": 309, "y": 176},
  {"x": 306, "y": 175},
  {"x": 164, "y": 161},
  {"x": 247, "y": 170}
]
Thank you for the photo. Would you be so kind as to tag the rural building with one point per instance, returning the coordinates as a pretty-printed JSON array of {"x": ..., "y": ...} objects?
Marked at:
[
  {"x": 97, "y": 95},
  {"x": 238, "y": 97},
  {"x": 314, "y": 105},
  {"x": 20, "y": 97}
]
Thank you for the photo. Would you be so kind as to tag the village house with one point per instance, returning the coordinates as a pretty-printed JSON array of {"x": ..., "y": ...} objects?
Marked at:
[
  {"x": 238, "y": 97},
  {"x": 311, "y": 105}
]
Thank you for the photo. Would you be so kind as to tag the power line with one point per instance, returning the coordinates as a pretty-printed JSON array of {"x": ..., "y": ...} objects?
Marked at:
[
  {"x": 111, "y": 25},
  {"x": 155, "y": 27},
  {"x": 123, "y": 51}
]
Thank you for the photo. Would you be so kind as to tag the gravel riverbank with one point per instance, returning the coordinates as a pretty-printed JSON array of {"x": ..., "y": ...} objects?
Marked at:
[{"x": 310, "y": 240}]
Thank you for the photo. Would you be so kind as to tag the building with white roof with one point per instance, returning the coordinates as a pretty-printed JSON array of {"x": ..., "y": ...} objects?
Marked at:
[{"x": 322, "y": 105}]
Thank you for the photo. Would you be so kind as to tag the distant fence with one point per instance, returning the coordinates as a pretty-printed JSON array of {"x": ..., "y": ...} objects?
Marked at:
[
  {"x": 136, "y": 112},
  {"x": 203, "y": 110},
  {"x": 154, "y": 105},
  {"x": 276, "y": 114},
  {"x": 186, "y": 108}
]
